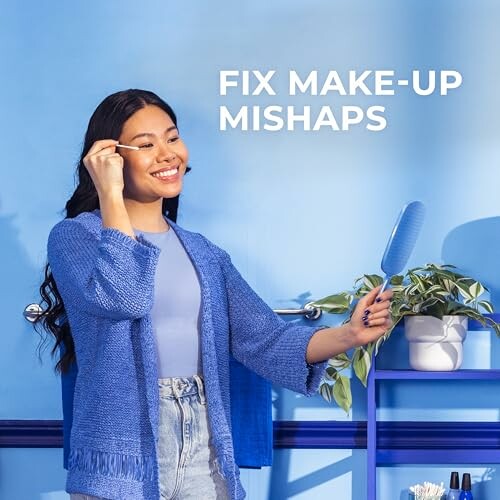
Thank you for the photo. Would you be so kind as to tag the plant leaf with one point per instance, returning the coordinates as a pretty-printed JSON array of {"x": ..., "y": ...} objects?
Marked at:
[
  {"x": 487, "y": 305},
  {"x": 342, "y": 393},
  {"x": 396, "y": 280},
  {"x": 330, "y": 373},
  {"x": 476, "y": 289},
  {"x": 340, "y": 361},
  {"x": 380, "y": 341},
  {"x": 326, "y": 392},
  {"x": 418, "y": 280},
  {"x": 469, "y": 312},
  {"x": 434, "y": 289},
  {"x": 448, "y": 284},
  {"x": 334, "y": 304},
  {"x": 464, "y": 290},
  {"x": 372, "y": 281},
  {"x": 361, "y": 363}
]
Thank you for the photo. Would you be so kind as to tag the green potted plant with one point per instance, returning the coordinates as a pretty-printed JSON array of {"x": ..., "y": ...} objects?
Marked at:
[{"x": 435, "y": 301}]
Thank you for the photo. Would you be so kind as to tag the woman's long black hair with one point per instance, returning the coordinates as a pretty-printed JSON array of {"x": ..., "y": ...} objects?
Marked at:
[{"x": 105, "y": 123}]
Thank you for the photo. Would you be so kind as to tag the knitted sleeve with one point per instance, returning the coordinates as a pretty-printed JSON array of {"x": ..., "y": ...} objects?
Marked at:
[
  {"x": 263, "y": 341},
  {"x": 108, "y": 275}
]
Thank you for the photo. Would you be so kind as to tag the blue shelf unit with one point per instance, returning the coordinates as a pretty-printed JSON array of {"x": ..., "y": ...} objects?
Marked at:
[{"x": 466, "y": 442}]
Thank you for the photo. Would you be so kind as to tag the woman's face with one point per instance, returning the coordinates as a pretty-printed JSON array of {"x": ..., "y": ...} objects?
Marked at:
[{"x": 157, "y": 168}]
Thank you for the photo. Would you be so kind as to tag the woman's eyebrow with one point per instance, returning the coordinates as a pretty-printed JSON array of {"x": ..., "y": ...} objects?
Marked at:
[{"x": 149, "y": 134}]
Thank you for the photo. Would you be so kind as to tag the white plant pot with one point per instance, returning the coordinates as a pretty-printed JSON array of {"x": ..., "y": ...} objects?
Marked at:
[{"x": 436, "y": 345}]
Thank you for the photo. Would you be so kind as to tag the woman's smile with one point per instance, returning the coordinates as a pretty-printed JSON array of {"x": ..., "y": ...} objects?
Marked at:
[{"x": 168, "y": 174}]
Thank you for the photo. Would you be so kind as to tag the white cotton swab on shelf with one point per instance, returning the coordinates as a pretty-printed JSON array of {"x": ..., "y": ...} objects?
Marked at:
[{"x": 427, "y": 490}]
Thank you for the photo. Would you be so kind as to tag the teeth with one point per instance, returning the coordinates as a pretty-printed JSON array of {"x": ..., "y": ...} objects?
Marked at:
[{"x": 167, "y": 173}]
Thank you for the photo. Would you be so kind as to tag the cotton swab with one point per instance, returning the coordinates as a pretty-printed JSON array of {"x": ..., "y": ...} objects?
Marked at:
[
  {"x": 136, "y": 148},
  {"x": 428, "y": 490}
]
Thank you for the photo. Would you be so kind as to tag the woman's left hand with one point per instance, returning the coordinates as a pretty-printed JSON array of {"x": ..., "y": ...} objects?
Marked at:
[{"x": 371, "y": 318}]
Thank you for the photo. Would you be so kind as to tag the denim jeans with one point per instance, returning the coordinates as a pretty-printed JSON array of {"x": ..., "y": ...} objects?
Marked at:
[{"x": 188, "y": 468}]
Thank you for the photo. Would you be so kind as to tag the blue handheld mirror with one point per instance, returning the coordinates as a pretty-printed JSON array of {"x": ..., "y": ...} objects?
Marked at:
[{"x": 402, "y": 240}]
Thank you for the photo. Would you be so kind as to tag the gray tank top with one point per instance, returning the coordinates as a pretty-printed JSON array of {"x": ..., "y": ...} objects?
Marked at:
[{"x": 176, "y": 308}]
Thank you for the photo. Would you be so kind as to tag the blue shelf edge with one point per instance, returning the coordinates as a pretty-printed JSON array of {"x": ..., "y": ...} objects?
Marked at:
[
  {"x": 395, "y": 436},
  {"x": 414, "y": 435},
  {"x": 486, "y": 374},
  {"x": 432, "y": 457}
]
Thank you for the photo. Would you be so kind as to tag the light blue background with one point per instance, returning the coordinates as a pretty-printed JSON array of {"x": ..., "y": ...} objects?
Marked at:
[{"x": 302, "y": 214}]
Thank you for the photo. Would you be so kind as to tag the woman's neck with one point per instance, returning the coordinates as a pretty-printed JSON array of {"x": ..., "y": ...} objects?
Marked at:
[{"x": 146, "y": 217}]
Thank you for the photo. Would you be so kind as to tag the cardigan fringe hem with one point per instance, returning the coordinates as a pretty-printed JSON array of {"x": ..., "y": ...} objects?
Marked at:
[{"x": 137, "y": 468}]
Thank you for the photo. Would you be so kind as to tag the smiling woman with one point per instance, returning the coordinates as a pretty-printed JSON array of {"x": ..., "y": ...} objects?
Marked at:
[{"x": 148, "y": 316}]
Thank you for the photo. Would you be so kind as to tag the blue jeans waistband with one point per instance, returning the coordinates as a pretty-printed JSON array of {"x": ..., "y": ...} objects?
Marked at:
[{"x": 178, "y": 387}]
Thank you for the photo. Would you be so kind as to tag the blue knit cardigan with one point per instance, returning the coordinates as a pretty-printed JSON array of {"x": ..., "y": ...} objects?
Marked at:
[{"x": 106, "y": 281}]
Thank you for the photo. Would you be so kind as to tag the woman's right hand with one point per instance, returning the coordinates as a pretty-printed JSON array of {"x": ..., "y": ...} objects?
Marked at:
[{"x": 105, "y": 167}]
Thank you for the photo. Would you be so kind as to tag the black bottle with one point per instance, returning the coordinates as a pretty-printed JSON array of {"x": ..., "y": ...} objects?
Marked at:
[
  {"x": 466, "y": 493},
  {"x": 454, "y": 493}
]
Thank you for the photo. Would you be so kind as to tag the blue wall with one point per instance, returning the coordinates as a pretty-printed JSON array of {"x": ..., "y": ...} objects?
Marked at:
[{"x": 301, "y": 213}]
